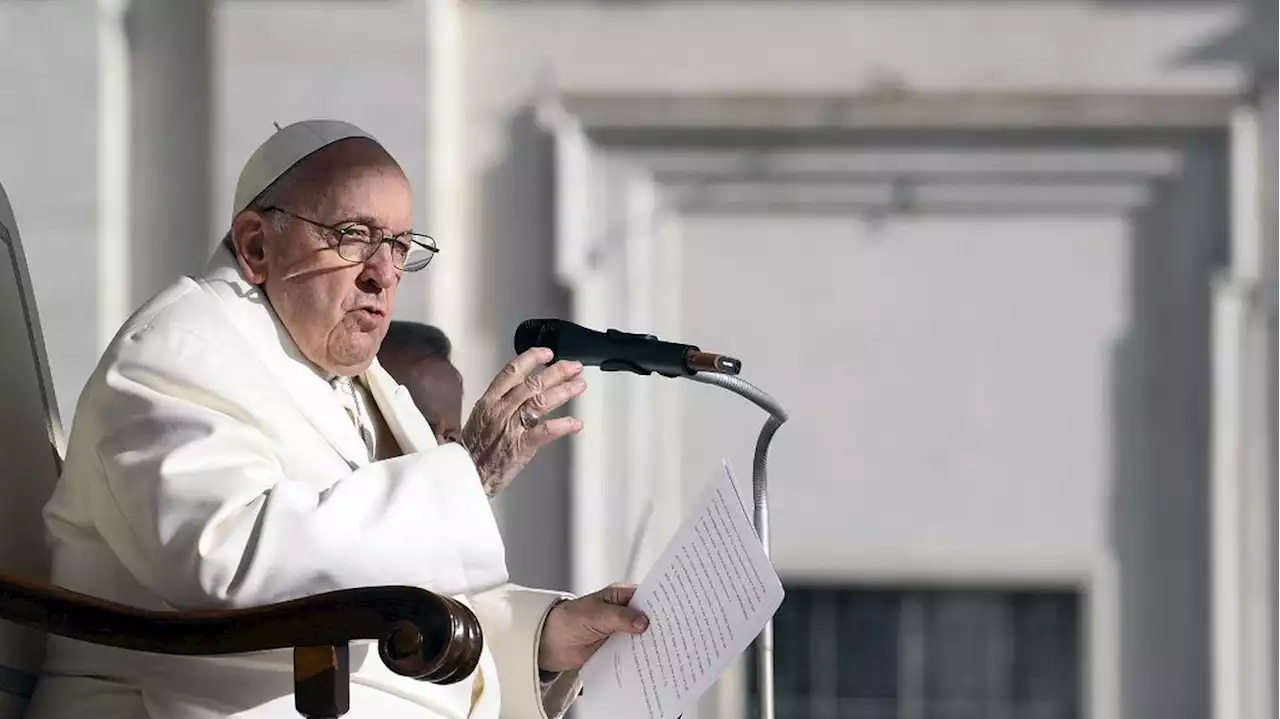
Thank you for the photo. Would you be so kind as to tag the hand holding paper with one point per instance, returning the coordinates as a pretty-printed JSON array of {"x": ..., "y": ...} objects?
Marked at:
[
  {"x": 707, "y": 597},
  {"x": 576, "y": 629}
]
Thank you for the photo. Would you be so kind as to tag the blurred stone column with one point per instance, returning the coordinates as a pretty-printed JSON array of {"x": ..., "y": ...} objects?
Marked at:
[
  {"x": 1247, "y": 394},
  {"x": 1244, "y": 489},
  {"x": 1262, "y": 694},
  {"x": 113, "y": 262},
  {"x": 1259, "y": 640},
  {"x": 1240, "y": 429},
  {"x": 448, "y": 290},
  {"x": 170, "y": 146}
]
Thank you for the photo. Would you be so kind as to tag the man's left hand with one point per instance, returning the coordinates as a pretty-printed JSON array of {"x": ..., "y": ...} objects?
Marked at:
[{"x": 575, "y": 629}]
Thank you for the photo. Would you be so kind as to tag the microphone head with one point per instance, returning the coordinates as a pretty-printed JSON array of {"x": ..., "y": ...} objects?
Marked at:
[{"x": 539, "y": 333}]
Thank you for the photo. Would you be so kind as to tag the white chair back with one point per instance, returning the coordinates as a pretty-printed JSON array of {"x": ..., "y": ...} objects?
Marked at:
[{"x": 31, "y": 449}]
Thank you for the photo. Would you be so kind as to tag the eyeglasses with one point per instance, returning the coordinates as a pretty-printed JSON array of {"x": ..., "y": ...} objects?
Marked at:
[{"x": 356, "y": 241}]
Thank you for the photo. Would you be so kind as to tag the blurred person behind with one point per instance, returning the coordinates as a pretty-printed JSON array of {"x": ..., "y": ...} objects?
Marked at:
[{"x": 419, "y": 357}]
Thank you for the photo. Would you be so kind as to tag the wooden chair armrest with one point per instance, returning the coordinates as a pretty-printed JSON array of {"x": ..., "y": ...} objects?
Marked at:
[{"x": 420, "y": 634}]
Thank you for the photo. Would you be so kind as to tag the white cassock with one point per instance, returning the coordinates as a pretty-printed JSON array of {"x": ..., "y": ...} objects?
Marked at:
[{"x": 211, "y": 467}]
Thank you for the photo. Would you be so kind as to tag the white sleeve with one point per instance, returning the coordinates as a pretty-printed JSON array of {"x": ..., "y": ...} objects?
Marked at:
[
  {"x": 197, "y": 504},
  {"x": 512, "y": 618}
]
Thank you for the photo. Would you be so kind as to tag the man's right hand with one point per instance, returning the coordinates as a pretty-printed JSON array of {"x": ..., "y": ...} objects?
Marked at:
[{"x": 506, "y": 427}]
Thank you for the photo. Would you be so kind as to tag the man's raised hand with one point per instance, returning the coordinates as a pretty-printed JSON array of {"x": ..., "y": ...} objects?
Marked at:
[{"x": 507, "y": 426}]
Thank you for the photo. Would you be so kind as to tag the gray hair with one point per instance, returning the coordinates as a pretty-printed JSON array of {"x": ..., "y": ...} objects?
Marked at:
[{"x": 276, "y": 194}]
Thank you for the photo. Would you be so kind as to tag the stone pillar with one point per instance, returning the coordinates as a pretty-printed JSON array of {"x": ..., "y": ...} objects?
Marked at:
[
  {"x": 1245, "y": 429},
  {"x": 1260, "y": 555},
  {"x": 113, "y": 233},
  {"x": 171, "y": 120},
  {"x": 447, "y": 292}
]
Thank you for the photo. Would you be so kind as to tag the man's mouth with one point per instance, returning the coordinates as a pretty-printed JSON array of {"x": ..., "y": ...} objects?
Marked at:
[{"x": 369, "y": 318}]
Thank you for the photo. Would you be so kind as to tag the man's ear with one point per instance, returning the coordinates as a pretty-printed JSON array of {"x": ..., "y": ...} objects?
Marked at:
[{"x": 249, "y": 240}]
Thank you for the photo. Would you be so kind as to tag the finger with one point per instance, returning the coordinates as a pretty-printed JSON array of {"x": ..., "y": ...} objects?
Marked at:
[
  {"x": 551, "y": 399},
  {"x": 514, "y": 372},
  {"x": 537, "y": 384},
  {"x": 549, "y": 430}
]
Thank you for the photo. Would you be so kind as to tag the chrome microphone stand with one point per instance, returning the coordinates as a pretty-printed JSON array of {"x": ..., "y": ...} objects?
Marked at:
[{"x": 760, "y": 501}]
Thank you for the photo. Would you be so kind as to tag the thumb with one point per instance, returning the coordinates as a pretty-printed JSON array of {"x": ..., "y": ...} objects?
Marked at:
[
  {"x": 616, "y": 616},
  {"x": 624, "y": 619}
]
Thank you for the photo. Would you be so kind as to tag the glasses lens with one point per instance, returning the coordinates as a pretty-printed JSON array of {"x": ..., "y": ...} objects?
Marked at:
[
  {"x": 418, "y": 259},
  {"x": 353, "y": 250},
  {"x": 421, "y": 250},
  {"x": 357, "y": 244}
]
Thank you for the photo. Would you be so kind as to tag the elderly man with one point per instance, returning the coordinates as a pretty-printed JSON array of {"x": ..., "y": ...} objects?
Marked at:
[
  {"x": 418, "y": 356},
  {"x": 239, "y": 445}
]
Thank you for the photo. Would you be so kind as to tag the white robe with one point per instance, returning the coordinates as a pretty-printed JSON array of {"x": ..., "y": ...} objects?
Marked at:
[{"x": 211, "y": 467}]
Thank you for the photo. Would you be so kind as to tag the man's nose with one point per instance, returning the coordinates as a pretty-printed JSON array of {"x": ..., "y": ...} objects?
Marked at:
[{"x": 380, "y": 269}]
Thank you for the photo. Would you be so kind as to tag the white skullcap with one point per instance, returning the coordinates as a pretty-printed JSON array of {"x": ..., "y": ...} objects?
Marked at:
[{"x": 286, "y": 148}]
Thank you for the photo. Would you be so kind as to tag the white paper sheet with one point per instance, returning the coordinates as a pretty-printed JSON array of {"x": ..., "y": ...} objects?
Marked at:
[{"x": 707, "y": 597}]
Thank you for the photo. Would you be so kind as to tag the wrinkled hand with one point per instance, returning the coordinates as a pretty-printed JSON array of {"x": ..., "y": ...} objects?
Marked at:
[
  {"x": 499, "y": 442},
  {"x": 575, "y": 629}
]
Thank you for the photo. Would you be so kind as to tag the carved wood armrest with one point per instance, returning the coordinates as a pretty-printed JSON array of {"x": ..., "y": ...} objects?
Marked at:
[{"x": 420, "y": 634}]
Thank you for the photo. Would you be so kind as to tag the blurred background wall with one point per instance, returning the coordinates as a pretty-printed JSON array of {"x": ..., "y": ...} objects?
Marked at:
[{"x": 1011, "y": 266}]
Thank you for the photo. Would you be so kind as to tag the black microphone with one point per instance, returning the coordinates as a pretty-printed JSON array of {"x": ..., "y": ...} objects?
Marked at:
[{"x": 615, "y": 351}]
